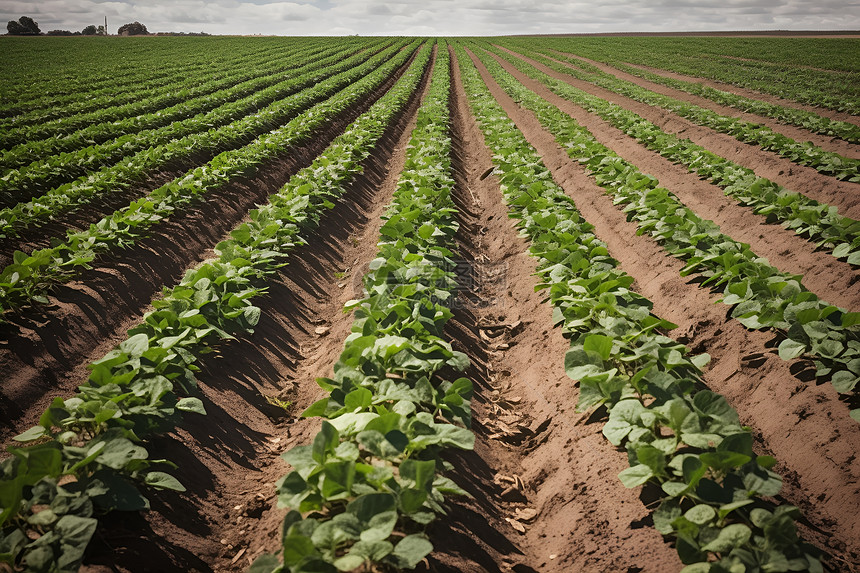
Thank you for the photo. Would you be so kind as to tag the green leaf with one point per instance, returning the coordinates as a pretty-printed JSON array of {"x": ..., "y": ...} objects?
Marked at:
[
  {"x": 701, "y": 360},
  {"x": 191, "y": 404},
  {"x": 75, "y": 533},
  {"x": 410, "y": 551},
  {"x": 701, "y": 514},
  {"x": 325, "y": 442},
  {"x": 730, "y": 537},
  {"x": 789, "y": 349},
  {"x": 724, "y": 461},
  {"x": 33, "y": 433},
  {"x": 600, "y": 344},
  {"x": 636, "y": 475},
  {"x": 367, "y": 506},
  {"x": 358, "y": 399},
  {"x": 135, "y": 346},
  {"x": 266, "y": 563},
  {"x": 850, "y": 319},
  {"x": 844, "y": 381},
  {"x": 668, "y": 512},
  {"x": 348, "y": 562},
  {"x": 161, "y": 480}
]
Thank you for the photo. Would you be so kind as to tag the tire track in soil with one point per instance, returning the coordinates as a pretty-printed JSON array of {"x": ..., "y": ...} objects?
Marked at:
[
  {"x": 800, "y": 423},
  {"x": 806, "y": 180},
  {"x": 833, "y": 280},
  {"x": 536, "y": 462},
  {"x": 230, "y": 459},
  {"x": 45, "y": 350},
  {"x": 827, "y": 142},
  {"x": 748, "y": 93}
]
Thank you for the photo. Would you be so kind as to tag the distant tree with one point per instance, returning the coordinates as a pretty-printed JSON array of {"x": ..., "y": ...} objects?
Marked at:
[
  {"x": 90, "y": 30},
  {"x": 61, "y": 33},
  {"x": 101, "y": 31},
  {"x": 133, "y": 29},
  {"x": 25, "y": 26}
]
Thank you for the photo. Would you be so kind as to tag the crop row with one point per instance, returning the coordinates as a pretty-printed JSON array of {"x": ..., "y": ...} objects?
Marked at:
[
  {"x": 38, "y": 142},
  {"x": 761, "y": 295},
  {"x": 817, "y": 88},
  {"x": 802, "y": 153},
  {"x": 362, "y": 493},
  {"x": 307, "y": 90},
  {"x": 99, "y": 107},
  {"x": 134, "y": 391},
  {"x": 788, "y": 115},
  {"x": 807, "y": 217},
  {"x": 678, "y": 435},
  {"x": 229, "y": 121},
  {"x": 43, "y": 80},
  {"x": 28, "y": 277}
]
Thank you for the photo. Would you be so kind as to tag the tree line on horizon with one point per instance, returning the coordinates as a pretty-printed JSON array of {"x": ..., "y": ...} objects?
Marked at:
[{"x": 26, "y": 26}]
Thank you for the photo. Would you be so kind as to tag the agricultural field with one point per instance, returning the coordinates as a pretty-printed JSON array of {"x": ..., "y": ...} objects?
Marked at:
[{"x": 520, "y": 304}]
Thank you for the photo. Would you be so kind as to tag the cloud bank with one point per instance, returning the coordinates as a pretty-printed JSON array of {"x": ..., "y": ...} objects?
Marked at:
[{"x": 439, "y": 17}]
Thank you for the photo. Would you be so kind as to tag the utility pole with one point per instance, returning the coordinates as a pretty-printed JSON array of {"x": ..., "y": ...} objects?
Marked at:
[{"x": 106, "y": 30}]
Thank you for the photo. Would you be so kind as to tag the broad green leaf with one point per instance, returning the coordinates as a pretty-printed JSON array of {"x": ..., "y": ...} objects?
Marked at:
[
  {"x": 731, "y": 536},
  {"x": 409, "y": 551},
  {"x": 161, "y": 480},
  {"x": 191, "y": 404},
  {"x": 266, "y": 563},
  {"x": 325, "y": 442},
  {"x": 789, "y": 349},
  {"x": 701, "y": 514},
  {"x": 135, "y": 345},
  {"x": 636, "y": 475},
  {"x": 667, "y": 513},
  {"x": 74, "y": 533},
  {"x": 600, "y": 344},
  {"x": 33, "y": 433}
]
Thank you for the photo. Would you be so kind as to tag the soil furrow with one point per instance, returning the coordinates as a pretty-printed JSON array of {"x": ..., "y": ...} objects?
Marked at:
[
  {"x": 806, "y": 180},
  {"x": 46, "y": 350},
  {"x": 230, "y": 459},
  {"x": 826, "y": 142},
  {"x": 752, "y": 94},
  {"x": 546, "y": 495},
  {"x": 833, "y": 280},
  {"x": 802, "y": 424}
]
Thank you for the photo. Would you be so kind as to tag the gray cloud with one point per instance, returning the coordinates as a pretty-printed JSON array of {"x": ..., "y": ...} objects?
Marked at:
[{"x": 440, "y": 17}]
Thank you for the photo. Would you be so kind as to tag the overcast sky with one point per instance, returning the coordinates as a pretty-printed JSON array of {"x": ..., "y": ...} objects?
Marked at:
[{"x": 439, "y": 17}]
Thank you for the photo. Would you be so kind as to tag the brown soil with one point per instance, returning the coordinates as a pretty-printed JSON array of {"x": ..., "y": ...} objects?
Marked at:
[
  {"x": 752, "y": 94},
  {"x": 806, "y": 180},
  {"x": 803, "y": 425},
  {"x": 45, "y": 350}
]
